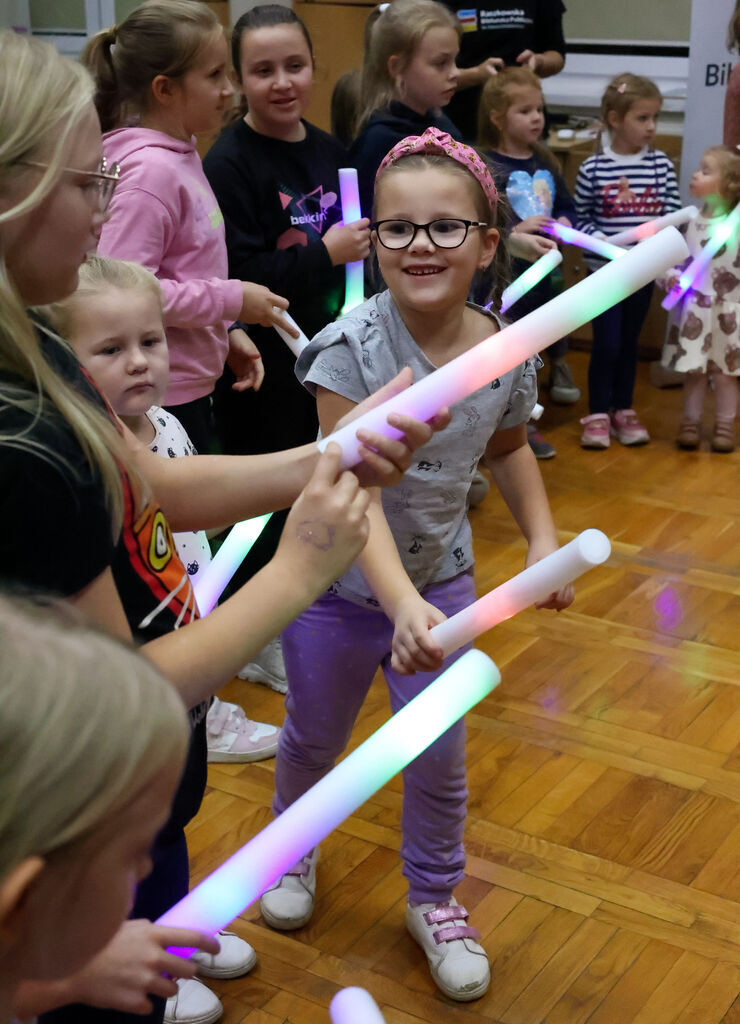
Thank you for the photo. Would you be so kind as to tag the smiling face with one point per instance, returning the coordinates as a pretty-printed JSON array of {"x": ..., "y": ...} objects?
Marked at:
[
  {"x": 637, "y": 128},
  {"x": 276, "y": 70},
  {"x": 119, "y": 338},
  {"x": 430, "y": 78},
  {"x": 522, "y": 124},
  {"x": 203, "y": 93},
  {"x": 706, "y": 179}
]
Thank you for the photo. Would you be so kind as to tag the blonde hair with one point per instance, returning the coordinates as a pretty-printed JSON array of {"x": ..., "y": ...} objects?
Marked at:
[
  {"x": 625, "y": 90},
  {"x": 97, "y": 274},
  {"x": 77, "y": 744},
  {"x": 161, "y": 37},
  {"x": 44, "y": 99},
  {"x": 396, "y": 32},
  {"x": 728, "y": 161}
]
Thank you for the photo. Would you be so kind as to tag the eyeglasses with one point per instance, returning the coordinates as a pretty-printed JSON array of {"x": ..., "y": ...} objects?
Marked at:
[
  {"x": 100, "y": 185},
  {"x": 446, "y": 232}
]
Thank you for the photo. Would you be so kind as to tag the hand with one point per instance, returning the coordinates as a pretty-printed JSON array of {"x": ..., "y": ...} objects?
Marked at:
[
  {"x": 384, "y": 460},
  {"x": 530, "y": 59},
  {"x": 565, "y": 221},
  {"x": 245, "y": 361},
  {"x": 529, "y": 247},
  {"x": 412, "y": 648},
  {"x": 257, "y": 307},
  {"x": 560, "y": 598},
  {"x": 348, "y": 243},
  {"x": 532, "y": 225},
  {"x": 135, "y": 964},
  {"x": 490, "y": 66},
  {"x": 669, "y": 280}
]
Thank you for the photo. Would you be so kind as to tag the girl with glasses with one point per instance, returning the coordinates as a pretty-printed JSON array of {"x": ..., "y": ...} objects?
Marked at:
[{"x": 434, "y": 230}]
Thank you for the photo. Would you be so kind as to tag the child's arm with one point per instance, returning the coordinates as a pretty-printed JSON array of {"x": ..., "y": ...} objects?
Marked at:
[
  {"x": 517, "y": 476},
  {"x": 585, "y": 200},
  {"x": 672, "y": 200}
]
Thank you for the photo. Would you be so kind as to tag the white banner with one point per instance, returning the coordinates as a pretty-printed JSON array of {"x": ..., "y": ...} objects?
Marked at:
[{"x": 710, "y": 63}]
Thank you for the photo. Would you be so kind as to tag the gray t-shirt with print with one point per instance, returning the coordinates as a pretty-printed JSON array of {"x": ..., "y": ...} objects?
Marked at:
[{"x": 427, "y": 510}]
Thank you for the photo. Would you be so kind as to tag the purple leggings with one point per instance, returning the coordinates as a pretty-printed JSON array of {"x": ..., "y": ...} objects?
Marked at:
[{"x": 332, "y": 653}]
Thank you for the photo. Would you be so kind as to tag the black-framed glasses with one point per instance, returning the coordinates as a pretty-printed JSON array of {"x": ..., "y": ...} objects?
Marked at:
[
  {"x": 445, "y": 232},
  {"x": 102, "y": 182}
]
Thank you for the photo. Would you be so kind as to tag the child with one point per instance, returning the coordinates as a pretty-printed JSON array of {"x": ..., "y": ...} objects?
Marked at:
[
  {"x": 435, "y": 211},
  {"x": 408, "y": 74},
  {"x": 621, "y": 186},
  {"x": 161, "y": 78},
  {"x": 704, "y": 330}
]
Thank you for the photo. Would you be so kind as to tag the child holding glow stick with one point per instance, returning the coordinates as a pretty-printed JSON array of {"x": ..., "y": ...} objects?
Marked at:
[
  {"x": 434, "y": 230},
  {"x": 703, "y": 336},
  {"x": 625, "y": 184}
]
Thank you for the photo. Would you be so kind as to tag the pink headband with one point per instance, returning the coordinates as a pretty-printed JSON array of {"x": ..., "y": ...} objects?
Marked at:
[{"x": 440, "y": 143}]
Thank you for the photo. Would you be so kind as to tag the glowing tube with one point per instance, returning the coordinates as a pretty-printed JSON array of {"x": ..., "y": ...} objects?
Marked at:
[
  {"x": 354, "y": 272},
  {"x": 650, "y": 227},
  {"x": 503, "y": 351},
  {"x": 213, "y": 580},
  {"x": 721, "y": 234},
  {"x": 296, "y": 345},
  {"x": 250, "y": 871},
  {"x": 354, "y": 1006},
  {"x": 570, "y": 236},
  {"x": 536, "y": 583},
  {"x": 531, "y": 276}
]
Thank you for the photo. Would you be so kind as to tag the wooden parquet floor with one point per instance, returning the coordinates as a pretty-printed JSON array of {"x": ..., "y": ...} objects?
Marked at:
[{"x": 604, "y": 773}]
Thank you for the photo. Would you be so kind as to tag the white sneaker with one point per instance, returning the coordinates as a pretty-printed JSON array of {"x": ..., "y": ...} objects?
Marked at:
[
  {"x": 458, "y": 964},
  {"x": 192, "y": 1004},
  {"x": 268, "y": 667},
  {"x": 289, "y": 903},
  {"x": 235, "y": 958},
  {"x": 231, "y": 736}
]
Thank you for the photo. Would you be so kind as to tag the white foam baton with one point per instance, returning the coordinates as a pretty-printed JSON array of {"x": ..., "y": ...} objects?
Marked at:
[
  {"x": 349, "y": 192},
  {"x": 531, "y": 276},
  {"x": 242, "y": 879},
  {"x": 570, "y": 236},
  {"x": 211, "y": 583},
  {"x": 650, "y": 227},
  {"x": 518, "y": 341},
  {"x": 720, "y": 235},
  {"x": 534, "y": 584},
  {"x": 296, "y": 345},
  {"x": 354, "y": 1006}
]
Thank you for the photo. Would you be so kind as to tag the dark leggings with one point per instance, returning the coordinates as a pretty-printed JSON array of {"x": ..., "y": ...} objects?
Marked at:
[
  {"x": 197, "y": 419},
  {"x": 611, "y": 372}
]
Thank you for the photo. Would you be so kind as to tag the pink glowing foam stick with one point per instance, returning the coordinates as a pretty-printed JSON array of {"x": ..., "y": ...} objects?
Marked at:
[
  {"x": 354, "y": 272},
  {"x": 724, "y": 231},
  {"x": 570, "y": 236},
  {"x": 536, "y": 583},
  {"x": 650, "y": 227},
  {"x": 354, "y": 1006},
  {"x": 503, "y": 351}
]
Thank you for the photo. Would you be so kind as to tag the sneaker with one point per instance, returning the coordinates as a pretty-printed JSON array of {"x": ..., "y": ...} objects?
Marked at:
[
  {"x": 689, "y": 434},
  {"x": 723, "y": 436},
  {"x": 458, "y": 964},
  {"x": 288, "y": 904},
  {"x": 479, "y": 488},
  {"x": 193, "y": 1003},
  {"x": 235, "y": 958},
  {"x": 268, "y": 667},
  {"x": 563, "y": 389},
  {"x": 231, "y": 736},
  {"x": 626, "y": 427},
  {"x": 595, "y": 430},
  {"x": 541, "y": 448}
]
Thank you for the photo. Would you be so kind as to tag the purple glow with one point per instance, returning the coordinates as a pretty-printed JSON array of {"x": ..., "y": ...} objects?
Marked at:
[{"x": 667, "y": 607}]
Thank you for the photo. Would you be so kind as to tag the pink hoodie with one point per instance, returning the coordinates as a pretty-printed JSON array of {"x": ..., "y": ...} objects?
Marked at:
[{"x": 165, "y": 216}]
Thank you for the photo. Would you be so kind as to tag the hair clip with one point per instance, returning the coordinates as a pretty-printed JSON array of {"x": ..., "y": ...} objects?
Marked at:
[
  {"x": 621, "y": 88},
  {"x": 383, "y": 8}
]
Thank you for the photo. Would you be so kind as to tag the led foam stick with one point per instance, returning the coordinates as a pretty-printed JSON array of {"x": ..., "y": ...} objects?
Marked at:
[
  {"x": 572, "y": 237},
  {"x": 214, "y": 578},
  {"x": 503, "y": 351},
  {"x": 536, "y": 583},
  {"x": 250, "y": 871},
  {"x": 531, "y": 276},
  {"x": 296, "y": 345},
  {"x": 354, "y": 1006},
  {"x": 721, "y": 234},
  {"x": 650, "y": 227},
  {"x": 354, "y": 272}
]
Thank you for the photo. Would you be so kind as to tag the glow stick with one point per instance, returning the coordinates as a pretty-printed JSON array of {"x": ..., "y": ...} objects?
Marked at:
[
  {"x": 354, "y": 272},
  {"x": 296, "y": 345},
  {"x": 354, "y": 1006},
  {"x": 214, "y": 578},
  {"x": 572, "y": 237},
  {"x": 721, "y": 234},
  {"x": 501, "y": 352},
  {"x": 650, "y": 227},
  {"x": 237, "y": 883},
  {"x": 531, "y": 276},
  {"x": 536, "y": 583}
]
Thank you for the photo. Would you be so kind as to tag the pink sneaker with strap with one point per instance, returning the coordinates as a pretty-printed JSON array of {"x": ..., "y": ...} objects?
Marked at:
[
  {"x": 595, "y": 430},
  {"x": 458, "y": 964},
  {"x": 626, "y": 427}
]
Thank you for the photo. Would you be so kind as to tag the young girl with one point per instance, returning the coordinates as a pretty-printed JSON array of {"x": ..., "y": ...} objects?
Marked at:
[
  {"x": 408, "y": 74},
  {"x": 161, "y": 78},
  {"x": 704, "y": 332},
  {"x": 621, "y": 186},
  {"x": 435, "y": 211}
]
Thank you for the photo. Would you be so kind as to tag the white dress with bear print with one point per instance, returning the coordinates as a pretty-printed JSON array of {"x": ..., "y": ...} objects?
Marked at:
[{"x": 703, "y": 329}]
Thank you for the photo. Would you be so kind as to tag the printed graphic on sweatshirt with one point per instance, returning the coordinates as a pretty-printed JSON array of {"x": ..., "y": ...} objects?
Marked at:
[
  {"x": 310, "y": 215},
  {"x": 619, "y": 199}
]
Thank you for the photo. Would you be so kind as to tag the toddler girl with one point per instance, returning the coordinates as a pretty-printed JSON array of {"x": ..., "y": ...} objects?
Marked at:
[
  {"x": 704, "y": 330},
  {"x": 624, "y": 184}
]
